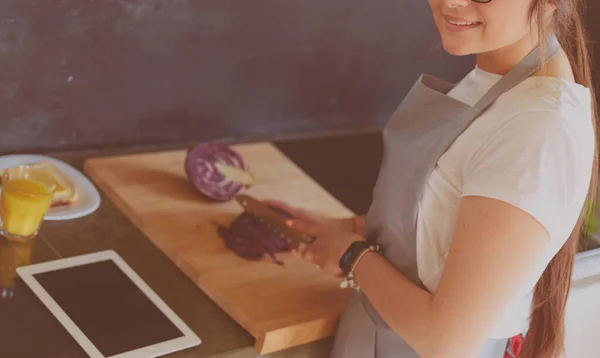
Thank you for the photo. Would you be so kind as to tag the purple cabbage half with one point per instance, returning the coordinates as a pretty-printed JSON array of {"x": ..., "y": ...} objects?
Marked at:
[{"x": 205, "y": 164}]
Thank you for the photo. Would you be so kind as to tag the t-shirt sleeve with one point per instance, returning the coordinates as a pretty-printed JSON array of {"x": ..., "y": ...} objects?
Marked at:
[{"x": 540, "y": 162}]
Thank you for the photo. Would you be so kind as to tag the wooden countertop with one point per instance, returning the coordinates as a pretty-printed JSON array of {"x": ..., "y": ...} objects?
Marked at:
[{"x": 346, "y": 166}]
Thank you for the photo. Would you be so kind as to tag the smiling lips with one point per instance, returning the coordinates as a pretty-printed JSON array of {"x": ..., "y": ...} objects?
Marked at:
[{"x": 457, "y": 24}]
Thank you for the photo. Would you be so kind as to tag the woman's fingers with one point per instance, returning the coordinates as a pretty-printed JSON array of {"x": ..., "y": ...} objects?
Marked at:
[
  {"x": 302, "y": 247},
  {"x": 308, "y": 255},
  {"x": 308, "y": 252}
]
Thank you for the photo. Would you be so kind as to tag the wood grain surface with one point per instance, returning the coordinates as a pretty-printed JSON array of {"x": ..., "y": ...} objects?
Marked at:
[{"x": 280, "y": 306}]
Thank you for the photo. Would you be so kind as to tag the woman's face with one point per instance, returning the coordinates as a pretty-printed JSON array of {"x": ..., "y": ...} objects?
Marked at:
[{"x": 468, "y": 28}]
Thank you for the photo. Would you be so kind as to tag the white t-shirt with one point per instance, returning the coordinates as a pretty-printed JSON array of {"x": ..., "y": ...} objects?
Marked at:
[{"x": 533, "y": 148}]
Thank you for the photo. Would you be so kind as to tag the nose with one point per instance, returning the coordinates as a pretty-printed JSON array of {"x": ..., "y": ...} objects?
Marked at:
[{"x": 457, "y": 3}]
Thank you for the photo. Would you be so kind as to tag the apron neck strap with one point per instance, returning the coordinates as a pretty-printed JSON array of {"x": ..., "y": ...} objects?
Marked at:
[{"x": 528, "y": 66}]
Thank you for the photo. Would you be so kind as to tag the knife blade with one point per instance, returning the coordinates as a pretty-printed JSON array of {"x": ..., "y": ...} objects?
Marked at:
[{"x": 274, "y": 221}]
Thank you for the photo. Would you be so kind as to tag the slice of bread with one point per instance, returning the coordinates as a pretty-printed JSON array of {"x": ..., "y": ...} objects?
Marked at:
[{"x": 63, "y": 189}]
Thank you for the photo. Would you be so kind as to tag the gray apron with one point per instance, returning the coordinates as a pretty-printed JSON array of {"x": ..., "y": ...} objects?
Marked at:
[{"x": 423, "y": 127}]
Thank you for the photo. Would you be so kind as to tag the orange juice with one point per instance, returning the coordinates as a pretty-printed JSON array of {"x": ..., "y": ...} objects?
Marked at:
[{"x": 24, "y": 205}]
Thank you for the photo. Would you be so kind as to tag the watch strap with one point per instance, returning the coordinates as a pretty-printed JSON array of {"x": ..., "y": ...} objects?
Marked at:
[
  {"x": 355, "y": 251},
  {"x": 349, "y": 281}
]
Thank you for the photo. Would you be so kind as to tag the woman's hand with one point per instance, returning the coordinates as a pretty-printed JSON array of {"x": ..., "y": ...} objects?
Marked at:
[
  {"x": 333, "y": 236},
  {"x": 329, "y": 246}
]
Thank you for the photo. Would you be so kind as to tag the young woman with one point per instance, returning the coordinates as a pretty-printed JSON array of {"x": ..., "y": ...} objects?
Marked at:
[{"x": 470, "y": 240}]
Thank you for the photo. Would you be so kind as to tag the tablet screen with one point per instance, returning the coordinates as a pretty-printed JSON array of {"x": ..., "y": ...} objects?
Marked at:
[{"x": 108, "y": 307}]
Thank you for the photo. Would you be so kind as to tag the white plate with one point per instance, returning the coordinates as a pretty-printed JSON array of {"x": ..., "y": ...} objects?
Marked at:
[{"x": 88, "y": 198}]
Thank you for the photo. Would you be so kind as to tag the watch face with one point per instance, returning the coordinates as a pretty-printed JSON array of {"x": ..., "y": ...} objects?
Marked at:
[
  {"x": 349, "y": 256},
  {"x": 346, "y": 256}
]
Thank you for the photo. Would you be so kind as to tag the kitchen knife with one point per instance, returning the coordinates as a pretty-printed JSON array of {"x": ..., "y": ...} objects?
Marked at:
[{"x": 275, "y": 221}]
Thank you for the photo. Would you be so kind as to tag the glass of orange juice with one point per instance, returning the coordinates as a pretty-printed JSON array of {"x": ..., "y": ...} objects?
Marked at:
[{"x": 26, "y": 198}]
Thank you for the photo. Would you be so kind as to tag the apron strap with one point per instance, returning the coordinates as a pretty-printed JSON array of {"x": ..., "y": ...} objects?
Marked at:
[
  {"x": 528, "y": 66},
  {"x": 521, "y": 71}
]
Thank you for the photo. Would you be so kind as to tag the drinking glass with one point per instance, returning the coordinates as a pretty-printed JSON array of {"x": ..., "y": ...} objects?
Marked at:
[{"x": 26, "y": 197}]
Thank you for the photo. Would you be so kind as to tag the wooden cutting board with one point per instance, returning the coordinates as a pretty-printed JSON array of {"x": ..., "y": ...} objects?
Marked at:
[{"x": 280, "y": 306}]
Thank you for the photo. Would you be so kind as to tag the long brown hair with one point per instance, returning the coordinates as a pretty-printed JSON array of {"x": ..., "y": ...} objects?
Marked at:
[{"x": 546, "y": 335}]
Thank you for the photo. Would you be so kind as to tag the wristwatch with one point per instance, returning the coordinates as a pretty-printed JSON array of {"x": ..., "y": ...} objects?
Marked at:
[{"x": 354, "y": 252}]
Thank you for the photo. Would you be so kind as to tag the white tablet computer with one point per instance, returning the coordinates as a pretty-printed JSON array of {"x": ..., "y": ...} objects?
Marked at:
[{"x": 107, "y": 308}]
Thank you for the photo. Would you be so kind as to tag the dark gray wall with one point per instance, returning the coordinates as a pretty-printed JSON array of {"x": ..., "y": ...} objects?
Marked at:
[
  {"x": 81, "y": 74},
  {"x": 105, "y": 73}
]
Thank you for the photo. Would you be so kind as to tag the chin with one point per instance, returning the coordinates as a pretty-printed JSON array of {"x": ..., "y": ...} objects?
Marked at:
[{"x": 457, "y": 48}]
